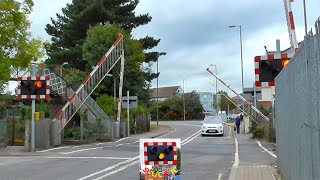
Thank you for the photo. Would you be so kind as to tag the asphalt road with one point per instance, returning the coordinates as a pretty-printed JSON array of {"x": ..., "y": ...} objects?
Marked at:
[{"x": 203, "y": 158}]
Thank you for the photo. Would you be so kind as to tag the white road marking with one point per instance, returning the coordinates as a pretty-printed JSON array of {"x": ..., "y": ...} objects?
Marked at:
[
  {"x": 220, "y": 176},
  {"x": 186, "y": 139},
  {"x": 52, "y": 149},
  {"x": 132, "y": 160},
  {"x": 121, "y": 139},
  {"x": 110, "y": 168},
  {"x": 189, "y": 140},
  {"x": 236, "y": 154},
  {"x": 265, "y": 149},
  {"x": 80, "y": 150},
  {"x": 62, "y": 157},
  {"x": 118, "y": 170}
]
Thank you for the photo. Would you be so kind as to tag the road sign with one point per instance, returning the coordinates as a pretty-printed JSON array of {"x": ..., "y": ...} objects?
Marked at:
[
  {"x": 33, "y": 87},
  {"x": 268, "y": 67},
  {"x": 160, "y": 159},
  {"x": 133, "y": 101}
]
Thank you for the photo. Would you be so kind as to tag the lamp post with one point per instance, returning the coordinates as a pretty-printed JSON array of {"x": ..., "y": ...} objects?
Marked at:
[
  {"x": 233, "y": 26},
  {"x": 216, "y": 71},
  {"x": 65, "y": 63},
  {"x": 157, "y": 92},
  {"x": 184, "y": 104},
  {"x": 305, "y": 17}
]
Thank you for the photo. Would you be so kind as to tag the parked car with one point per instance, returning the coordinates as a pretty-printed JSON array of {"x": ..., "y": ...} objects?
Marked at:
[{"x": 212, "y": 125}]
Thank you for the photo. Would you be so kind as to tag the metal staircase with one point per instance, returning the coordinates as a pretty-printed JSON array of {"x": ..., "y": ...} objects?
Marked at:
[
  {"x": 92, "y": 107},
  {"x": 82, "y": 95}
]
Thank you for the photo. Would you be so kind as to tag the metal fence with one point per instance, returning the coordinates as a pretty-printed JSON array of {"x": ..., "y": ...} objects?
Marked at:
[
  {"x": 3, "y": 128},
  {"x": 297, "y": 113}
]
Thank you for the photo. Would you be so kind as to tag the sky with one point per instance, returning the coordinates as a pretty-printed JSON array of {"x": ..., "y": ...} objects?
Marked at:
[{"x": 195, "y": 34}]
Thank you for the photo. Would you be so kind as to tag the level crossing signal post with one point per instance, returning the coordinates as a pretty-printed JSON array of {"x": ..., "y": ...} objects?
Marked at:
[{"x": 33, "y": 88}]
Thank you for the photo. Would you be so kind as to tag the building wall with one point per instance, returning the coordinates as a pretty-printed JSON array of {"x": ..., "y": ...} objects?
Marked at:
[
  {"x": 267, "y": 93},
  {"x": 206, "y": 99}
]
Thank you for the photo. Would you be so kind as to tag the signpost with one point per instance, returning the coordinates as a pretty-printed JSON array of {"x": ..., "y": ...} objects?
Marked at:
[{"x": 160, "y": 159}]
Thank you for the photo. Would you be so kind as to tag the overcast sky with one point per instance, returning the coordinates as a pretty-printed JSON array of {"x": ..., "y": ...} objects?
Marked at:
[{"x": 195, "y": 34}]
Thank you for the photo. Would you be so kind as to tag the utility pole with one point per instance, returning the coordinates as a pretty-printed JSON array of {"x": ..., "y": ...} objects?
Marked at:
[
  {"x": 128, "y": 112},
  {"x": 33, "y": 109},
  {"x": 158, "y": 92},
  {"x": 217, "y": 109},
  {"x": 305, "y": 17},
  {"x": 184, "y": 104}
]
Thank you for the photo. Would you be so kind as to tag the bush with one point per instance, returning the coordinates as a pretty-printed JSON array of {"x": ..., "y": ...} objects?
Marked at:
[
  {"x": 75, "y": 76},
  {"x": 72, "y": 133},
  {"x": 260, "y": 131},
  {"x": 43, "y": 107},
  {"x": 106, "y": 103}
]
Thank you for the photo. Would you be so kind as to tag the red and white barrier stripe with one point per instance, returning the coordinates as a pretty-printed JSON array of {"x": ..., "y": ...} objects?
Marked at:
[
  {"x": 291, "y": 25},
  {"x": 103, "y": 59},
  {"x": 271, "y": 57},
  {"x": 147, "y": 162}
]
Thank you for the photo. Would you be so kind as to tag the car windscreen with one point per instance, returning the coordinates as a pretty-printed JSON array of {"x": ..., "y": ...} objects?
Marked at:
[{"x": 212, "y": 120}]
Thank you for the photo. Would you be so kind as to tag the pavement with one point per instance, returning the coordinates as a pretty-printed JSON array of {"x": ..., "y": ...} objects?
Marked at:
[
  {"x": 203, "y": 158},
  {"x": 20, "y": 150},
  {"x": 253, "y": 161}
]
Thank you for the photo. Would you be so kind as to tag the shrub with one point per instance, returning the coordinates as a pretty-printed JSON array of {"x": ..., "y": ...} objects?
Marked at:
[{"x": 260, "y": 131}]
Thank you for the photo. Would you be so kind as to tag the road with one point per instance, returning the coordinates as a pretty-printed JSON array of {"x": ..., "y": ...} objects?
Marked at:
[{"x": 202, "y": 158}]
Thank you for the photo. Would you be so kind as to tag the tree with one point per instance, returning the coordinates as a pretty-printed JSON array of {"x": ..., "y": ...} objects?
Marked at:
[
  {"x": 172, "y": 108},
  {"x": 224, "y": 101},
  {"x": 68, "y": 31},
  {"x": 101, "y": 36},
  {"x": 17, "y": 48}
]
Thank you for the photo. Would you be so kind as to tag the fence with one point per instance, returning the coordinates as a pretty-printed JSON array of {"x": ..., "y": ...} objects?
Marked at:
[
  {"x": 3, "y": 128},
  {"x": 297, "y": 112}
]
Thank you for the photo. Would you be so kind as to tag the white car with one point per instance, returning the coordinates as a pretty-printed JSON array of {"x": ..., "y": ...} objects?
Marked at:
[{"x": 212, "y": 125}]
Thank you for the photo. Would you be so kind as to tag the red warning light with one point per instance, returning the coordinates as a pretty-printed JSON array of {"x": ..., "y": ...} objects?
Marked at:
[
  {"x": 285, "y": 63},
  {"x": 38, "y": 84}
]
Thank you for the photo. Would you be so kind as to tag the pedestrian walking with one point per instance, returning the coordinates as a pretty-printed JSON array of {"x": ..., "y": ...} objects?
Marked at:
[{"x": 238, "y": 122}]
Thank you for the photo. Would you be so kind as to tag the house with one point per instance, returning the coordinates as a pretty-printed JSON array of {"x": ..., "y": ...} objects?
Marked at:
[
  {"x": 165, "y": 92},
  {"x": 248, "y": 94}
]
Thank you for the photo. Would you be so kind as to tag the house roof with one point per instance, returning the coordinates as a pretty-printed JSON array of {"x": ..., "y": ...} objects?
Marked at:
[{"x": 163, "y": 91}]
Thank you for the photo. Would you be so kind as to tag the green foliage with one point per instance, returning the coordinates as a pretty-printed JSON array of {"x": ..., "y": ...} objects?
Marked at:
[
  {"x": 99, "y": 37},
  {"x": 106, "y": 103},
  {"x": 43, "y": 107},
  {"x": 172, "y": 108},
  {"x": 75, "y": 76},
  {"x": 18, "y": 49},
  {"x": 72, "y": 133},
  {"x": 224, "y": 102},
  {"x": 25, "y": 113},
  {"x": 260, "y": 131},
  {"x": 69, "y": 32},
  {"x": 179, "y": 161},
  {"x": 264, "y": 110}
]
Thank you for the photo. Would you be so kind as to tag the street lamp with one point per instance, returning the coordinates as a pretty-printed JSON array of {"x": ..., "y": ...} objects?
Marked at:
[
  {"x": 184, "y": 104},
  {"x": 216, "y": 86},
  {"x": 233, "y": 26},
  {"x": 157, "y": 92},
  {"x": 65, "y": 63}
]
